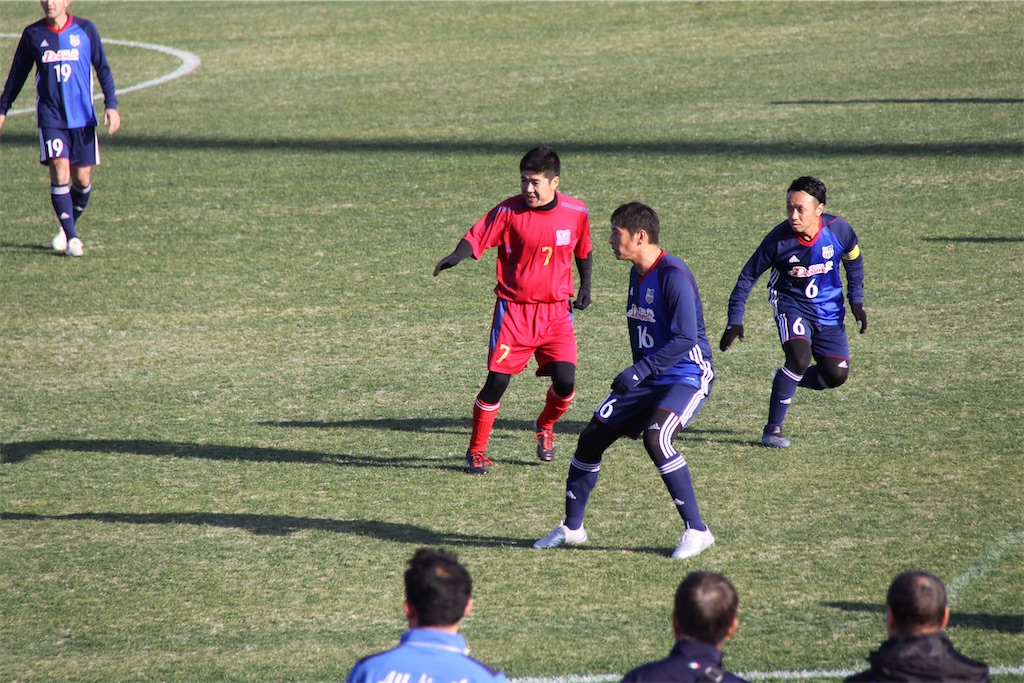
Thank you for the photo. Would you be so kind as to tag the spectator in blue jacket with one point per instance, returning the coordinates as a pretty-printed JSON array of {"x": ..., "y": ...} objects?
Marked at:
[
  {"x": 703, "y": 619},
  {"x": 437, "y": 596}
]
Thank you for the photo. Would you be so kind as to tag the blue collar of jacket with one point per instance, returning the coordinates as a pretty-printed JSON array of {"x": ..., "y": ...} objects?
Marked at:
[{"x": 439, "y": 640}]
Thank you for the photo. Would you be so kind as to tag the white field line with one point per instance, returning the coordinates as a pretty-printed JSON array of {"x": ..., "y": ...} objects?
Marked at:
[
  {"x": 983, "y": 566},
  {"x": 189, "y": 63}
]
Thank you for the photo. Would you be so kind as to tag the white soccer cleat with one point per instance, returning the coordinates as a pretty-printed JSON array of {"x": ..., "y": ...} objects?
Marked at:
[
  {"x": 693, "y": 543},
  {"x": 60, "y": 241},
  {"x": 562, "y": 535},
  {"x": 74, "y": 247}
]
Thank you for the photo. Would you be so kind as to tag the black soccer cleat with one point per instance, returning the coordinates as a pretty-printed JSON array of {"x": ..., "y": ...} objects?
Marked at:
[{"x": 477, "y": 463}]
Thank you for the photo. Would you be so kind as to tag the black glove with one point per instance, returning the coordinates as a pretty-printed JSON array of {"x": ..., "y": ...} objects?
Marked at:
[
  {"x": 630, "y": 378},
  {"x": 463, "y": 250},
  {"x": 861, "y": 316},
  {"x": 582, "y": 298},
  {"x": 729, "y": 336},
  {"x": 446, "y": 263}
]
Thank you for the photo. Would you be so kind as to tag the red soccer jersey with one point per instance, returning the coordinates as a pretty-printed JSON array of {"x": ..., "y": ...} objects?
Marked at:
[{"x": 536, "y": 247}]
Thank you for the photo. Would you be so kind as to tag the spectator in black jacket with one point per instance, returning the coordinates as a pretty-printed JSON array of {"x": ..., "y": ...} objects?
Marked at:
[
  {"x": 704, "y": 617},
  {"x": 916, "y": 615}
]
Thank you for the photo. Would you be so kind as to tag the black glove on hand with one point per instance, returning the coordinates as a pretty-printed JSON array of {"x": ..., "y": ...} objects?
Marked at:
[
  {"x": 463, "y": 250},
  {"x": 861, "y": 316},
  {"x": 446, "y": 263},
  {"x": 582, "y": 298},
  {"x": 729, "y": 336},
  {"x": 630, "y": 378}
]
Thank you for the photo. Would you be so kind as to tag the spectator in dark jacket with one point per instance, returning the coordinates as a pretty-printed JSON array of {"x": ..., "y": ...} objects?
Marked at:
[
  {"x": 704, "y": 617},
  {"x": 918, "y": 649}
]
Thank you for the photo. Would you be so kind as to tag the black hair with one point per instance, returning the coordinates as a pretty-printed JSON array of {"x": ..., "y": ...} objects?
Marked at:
[
  {"x": 811, "y": 186},
  {"x": 916, "y": 599},
  {"x": 706, "y": 606},
  {"x": 438, "y": 587},
  {"x": 634, "y": 217},
  {"x": 542, "y": 160}
]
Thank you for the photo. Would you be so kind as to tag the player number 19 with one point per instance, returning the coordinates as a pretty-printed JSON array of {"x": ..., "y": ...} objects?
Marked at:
[
  {"x": 63, "y": 72},
  {"x": 54, "y": 147}
]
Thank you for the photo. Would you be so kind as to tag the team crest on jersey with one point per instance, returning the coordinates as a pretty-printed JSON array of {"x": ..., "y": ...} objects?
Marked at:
[
  {"x": 649, "y": 298},
  {"x": 563, "y": 238},
  {"x": 828, "y": 252},
  {"x": 76, "y": 40}
]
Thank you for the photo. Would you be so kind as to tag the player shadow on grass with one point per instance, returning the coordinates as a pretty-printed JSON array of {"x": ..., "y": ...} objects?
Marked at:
[
  {"x": 509, "y": 146},
  {"x": 280, "y": 525},
  {"x": 42, "y": 249},
  {"x": 286, "y": 525},
  {"x": 1003, "y": 623},
  {"x": 19, "y": 451},
  {"x": 464, "y": 425}
]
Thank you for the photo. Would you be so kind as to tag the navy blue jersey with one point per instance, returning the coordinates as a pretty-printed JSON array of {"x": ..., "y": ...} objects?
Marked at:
[
  {"x": 64, "y": 60},
  {"x": 666, "y": 323},
  {"x": 805, "y": 278}
]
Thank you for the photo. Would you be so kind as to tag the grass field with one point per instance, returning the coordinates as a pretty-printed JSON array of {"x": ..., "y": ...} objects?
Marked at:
[{"x": 226, "y": 427}]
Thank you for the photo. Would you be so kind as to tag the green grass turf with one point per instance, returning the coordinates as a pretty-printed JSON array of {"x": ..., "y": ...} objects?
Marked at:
[{"x": 226, "y": 427}]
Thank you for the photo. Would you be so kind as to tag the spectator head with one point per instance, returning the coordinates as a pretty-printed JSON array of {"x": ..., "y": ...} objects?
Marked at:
[
  {"x": 916, "y": 605},
  {"x": 437, "y": 590},
  {"x": 706, "y": 609}
]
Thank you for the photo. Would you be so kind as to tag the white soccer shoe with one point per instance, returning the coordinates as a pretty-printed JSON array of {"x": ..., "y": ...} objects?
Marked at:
[
  {"x": 74, "y": 247},
  {"x": 60, "y": 241},
  {"x": 693, "y": 543},
  {"x": 562, "y": 535}
]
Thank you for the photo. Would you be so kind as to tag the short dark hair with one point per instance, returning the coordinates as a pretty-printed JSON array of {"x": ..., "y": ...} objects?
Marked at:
[
  {"x": 706, "y": 606},
  {"x": 811, "y": 186},
  {"x": 438, "y": 587},
  {"x": 917, "y": 600},
  {"x": 542, "y": 160},
  {"x": 634, "y": 217}
]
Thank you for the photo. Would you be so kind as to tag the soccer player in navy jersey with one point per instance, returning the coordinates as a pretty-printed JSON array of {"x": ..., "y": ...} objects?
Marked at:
[
  {"x": 806, "y": 295},
  {"x": 538, "y": 234},
  {"x": 660, "y": 393},
  {"x": 64, "y": 50}
]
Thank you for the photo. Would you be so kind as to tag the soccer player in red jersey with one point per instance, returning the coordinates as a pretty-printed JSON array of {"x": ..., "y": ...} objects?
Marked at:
[{"x": 538, "y": 234}]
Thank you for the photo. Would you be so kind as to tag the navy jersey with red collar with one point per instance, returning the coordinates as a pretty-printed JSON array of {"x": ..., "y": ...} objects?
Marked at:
[
  {"x": 805, "y": 278},
  {"x": 666, "y": 323},
  {"x": 64, "y": 60}
]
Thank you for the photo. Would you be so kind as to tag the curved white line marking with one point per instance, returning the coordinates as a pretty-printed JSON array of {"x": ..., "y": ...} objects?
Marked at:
[{"x": 189, "y": 63}]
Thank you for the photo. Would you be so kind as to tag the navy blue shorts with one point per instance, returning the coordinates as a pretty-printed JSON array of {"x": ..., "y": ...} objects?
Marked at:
[
  {"x": 826, "y": 340},
  {"x": 78, "y": 145},
  {"x": 632, "y": 413}
]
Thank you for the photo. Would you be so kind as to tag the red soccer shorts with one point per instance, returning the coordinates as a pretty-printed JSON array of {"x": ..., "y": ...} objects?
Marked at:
[{"x": 519, "y": 331}]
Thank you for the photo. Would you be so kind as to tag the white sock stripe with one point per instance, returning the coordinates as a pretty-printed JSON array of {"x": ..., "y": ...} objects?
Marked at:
[
  {"x": 792, "y": 375},
  {"x": 585, "y": 466},
  {"x": 676, "y": 463},
  {"x": 486, "y": 407}
]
